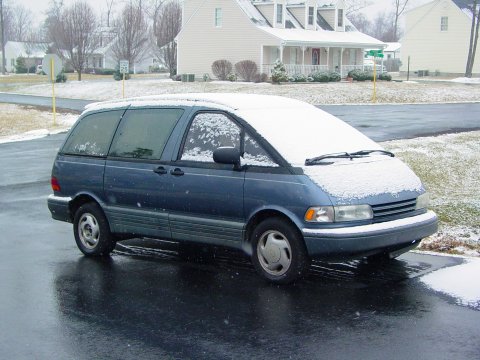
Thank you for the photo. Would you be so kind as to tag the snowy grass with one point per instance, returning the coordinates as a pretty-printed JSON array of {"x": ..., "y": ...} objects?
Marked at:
[
  {"x": 25, "y": 122},
  {"x": 448, "y": 166},
  {"x": 314, "y": 93}
]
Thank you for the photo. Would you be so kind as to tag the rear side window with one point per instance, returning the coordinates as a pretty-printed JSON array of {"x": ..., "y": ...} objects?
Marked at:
[
  {"x": 143, "y": 133},
  {"x": 93, "y": 134}
]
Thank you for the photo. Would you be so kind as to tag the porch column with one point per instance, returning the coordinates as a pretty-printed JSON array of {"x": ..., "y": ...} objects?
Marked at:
[
  {"x": 261, "y": 58},
  {"x": 328, "y": 58},
  {"x": 304, "y": 48},
  {"x": 281, "y": 52},
  {"x": 341, "y": 62}
]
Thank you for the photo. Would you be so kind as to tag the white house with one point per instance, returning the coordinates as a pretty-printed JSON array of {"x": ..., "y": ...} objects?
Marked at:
[
  {"x": 308, "y": 35},
  {"x": 104, "y": 58},
  {"x": 437, "y": 37},
  {"x": 32, "y": 52}
]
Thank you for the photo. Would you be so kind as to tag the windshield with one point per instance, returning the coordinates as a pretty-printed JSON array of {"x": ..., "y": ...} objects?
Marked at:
[{"x": 305, "y": 132}]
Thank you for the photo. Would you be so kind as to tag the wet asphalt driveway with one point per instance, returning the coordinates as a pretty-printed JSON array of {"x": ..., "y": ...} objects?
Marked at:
[{"x": 145, "y": 302}]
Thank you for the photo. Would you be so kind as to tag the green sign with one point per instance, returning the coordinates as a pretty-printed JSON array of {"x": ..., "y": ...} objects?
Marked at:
[{"x": 376, "y": 53}]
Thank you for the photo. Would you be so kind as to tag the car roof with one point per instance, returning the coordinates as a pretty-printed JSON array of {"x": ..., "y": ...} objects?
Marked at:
[{"x": 224, "y": 101}]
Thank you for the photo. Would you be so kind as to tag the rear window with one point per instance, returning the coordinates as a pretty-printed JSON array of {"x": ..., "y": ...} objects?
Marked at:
[
  {"x": 93, "y": 134},
  {"x": 143, "y": 133}
]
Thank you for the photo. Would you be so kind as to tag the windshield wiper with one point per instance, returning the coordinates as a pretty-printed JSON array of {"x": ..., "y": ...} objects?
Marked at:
[
  {"x": 368, "y": 152},
  {"x": 317, "y": 159},
  {"x": 345, "y": 155}
]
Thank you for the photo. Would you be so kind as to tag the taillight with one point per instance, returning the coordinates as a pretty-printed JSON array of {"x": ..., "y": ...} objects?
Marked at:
[{"x": 55, "y": 184}]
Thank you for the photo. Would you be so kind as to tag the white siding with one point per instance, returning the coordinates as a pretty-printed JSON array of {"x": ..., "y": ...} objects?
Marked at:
[
  {"x": 430, "y": 48},
  {"x": 200, "y": 43}
]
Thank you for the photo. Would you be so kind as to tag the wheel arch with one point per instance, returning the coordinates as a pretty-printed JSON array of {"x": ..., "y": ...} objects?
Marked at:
[
  {"x": 80, "y": 200},
  {"x": 263, "y": 214}
]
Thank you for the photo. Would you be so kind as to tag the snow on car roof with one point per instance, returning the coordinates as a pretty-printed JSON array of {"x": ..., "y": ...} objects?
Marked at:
[{"x": 228, "y": 101}]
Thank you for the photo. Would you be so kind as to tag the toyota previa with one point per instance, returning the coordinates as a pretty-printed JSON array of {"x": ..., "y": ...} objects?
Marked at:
[{"x": 275, "y": 177}]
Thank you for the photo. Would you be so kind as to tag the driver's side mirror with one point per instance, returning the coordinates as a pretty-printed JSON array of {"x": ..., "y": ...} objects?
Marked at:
[{"x": 227, "y": 155}]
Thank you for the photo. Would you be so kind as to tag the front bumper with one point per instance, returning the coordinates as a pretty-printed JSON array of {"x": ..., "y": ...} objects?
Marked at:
[
  {"x": 369, "y": 239},
  {"x": 59, "y": 207}
]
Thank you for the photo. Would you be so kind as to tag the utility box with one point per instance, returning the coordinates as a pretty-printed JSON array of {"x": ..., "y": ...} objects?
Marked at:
[{"x": 188, "y": 77}]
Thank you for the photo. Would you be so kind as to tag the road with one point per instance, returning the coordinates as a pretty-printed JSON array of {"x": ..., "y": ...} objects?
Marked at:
[
  {"x": 145, "y": 302},
  {"x": 379, "y": 122}
]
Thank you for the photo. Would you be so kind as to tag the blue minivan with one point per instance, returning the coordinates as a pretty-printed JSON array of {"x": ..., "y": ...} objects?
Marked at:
[{"x": 278, "y": 178}]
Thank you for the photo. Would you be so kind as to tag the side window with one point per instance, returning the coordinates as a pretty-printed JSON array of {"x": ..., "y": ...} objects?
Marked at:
[
  {"x": 143, "y": 133},
  {"x": 208, "y": 132},
  {"x": 93, "y": 134},
  {"x": 255, "y": 155}
]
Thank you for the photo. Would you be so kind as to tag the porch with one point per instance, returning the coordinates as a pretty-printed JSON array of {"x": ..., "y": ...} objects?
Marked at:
[
  {"x": 294, "y": 69},
  {"x": 306, "y": 60}
]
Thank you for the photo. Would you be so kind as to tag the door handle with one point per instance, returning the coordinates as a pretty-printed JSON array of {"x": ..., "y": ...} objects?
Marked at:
[
  {"x": 160, "y": 170},
  {"x": 177, "y": 172}
]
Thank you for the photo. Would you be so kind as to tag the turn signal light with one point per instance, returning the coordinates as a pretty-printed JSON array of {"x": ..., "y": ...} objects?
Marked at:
[{"x": 55, "y": 184}]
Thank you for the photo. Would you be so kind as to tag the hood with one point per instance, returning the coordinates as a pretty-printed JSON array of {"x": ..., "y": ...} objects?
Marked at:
[{"x": 349, "y": 181}]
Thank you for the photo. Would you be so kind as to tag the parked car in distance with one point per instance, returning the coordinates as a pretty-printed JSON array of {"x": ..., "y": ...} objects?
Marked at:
[
  {"x": 39, "y": 69},
  {"x": 368, "y": 65},
  {"x": 278, "y": 178}
]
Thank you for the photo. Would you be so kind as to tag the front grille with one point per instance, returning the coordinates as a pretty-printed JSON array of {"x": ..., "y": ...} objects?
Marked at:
[{"x": 398, "y": 209}]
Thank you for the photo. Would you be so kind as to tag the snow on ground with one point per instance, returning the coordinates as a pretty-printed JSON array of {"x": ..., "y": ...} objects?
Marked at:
[
  {"x": 19, "y": 123},
  {"x": 313, "y": 93},
  {"x": 461, "y": 282},
  {"x": 464, "y": 80}
]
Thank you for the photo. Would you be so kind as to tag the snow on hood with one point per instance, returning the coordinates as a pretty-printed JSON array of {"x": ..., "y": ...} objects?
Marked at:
[{"x": 364, "y": 177}]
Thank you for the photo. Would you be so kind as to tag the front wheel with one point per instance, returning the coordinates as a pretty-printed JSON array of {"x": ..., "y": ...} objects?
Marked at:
[
  {"x": 92, "y": 232},
  {"x": 279, "y": 253}
]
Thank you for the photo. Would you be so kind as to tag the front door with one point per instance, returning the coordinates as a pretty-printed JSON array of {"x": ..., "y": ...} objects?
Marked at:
[
  {"x": 315, "y": 56},
  {"x": 206, "y": 199}
]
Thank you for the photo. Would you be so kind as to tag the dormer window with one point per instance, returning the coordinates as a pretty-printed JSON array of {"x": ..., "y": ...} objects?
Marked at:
[
  {"x": 279, "y": 14},
  {"x": 311, "y": 10},
  {"x": 340, "y": 18}
]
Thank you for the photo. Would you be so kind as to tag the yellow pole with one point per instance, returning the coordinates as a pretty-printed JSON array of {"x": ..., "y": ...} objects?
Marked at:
[
  {"x": 374, "y": 79},
  {"x": 52, "y": 78},
  {"x": 123, "y": 86}
]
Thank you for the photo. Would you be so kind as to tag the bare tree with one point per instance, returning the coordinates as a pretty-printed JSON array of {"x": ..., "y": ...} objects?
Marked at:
[
  {"x": 132, "y": 39},
  {"x": 73, "y": 32},
  {"x": 353, "y": 6},
  {"x": 22, "y": 19},
  {"x": 399, "y": 6},
  {"x": 472, "y": 49},
  {"x": 109, "y": 10},
  {"x": 383, "y": 27},
  {"x": 361, "y": 22},
  {"x": 168, "y": 24}
]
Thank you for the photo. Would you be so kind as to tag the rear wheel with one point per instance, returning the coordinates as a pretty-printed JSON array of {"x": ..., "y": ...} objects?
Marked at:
[
  {"x": 92, "y": 232},
  {"x": 279, "y": 253}
]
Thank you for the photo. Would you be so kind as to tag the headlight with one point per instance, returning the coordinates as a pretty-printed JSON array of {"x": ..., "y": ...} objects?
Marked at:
[
  {"x": 422, "y": 201},
  {"x": 338, "y": 213}
]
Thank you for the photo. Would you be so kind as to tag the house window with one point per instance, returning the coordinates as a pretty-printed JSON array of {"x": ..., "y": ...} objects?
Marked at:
[
  {"x": 218, "y": 17},
  {"x": 310, "y": 15},
  {"x": 340, "y": 17},
  {"x": 444, "y": 23},
  {"x": 279, "y": 14}
]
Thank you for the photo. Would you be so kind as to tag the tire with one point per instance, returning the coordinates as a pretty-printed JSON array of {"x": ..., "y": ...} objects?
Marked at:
[
  {"x": 92, "y": 232},
  {"x": 279, "y": 253}
]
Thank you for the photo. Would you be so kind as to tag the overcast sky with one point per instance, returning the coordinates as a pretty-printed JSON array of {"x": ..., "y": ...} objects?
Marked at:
[{"x": 39, "y": 6}]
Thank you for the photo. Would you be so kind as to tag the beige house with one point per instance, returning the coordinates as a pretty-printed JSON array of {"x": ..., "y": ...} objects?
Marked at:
[
  {"x": 437, "y": 37},
  {"x": 308, "y": 36}
]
